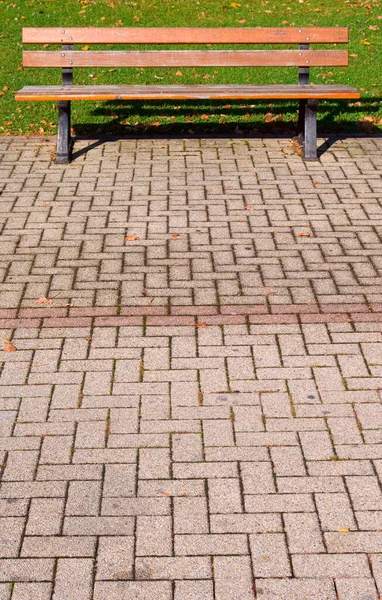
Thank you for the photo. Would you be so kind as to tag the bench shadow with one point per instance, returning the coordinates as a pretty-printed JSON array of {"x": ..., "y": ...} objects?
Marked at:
[{"x": 270, "y": 121}]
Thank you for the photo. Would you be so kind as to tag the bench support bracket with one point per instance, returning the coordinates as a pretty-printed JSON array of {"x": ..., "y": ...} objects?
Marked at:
[
  {"x": 310, "y": 130},
  {"x": 64, "y": 140}
]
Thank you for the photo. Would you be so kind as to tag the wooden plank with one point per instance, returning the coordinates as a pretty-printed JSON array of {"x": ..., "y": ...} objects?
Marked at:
[
  {"x": 185, "y": 92},
  {"x": 185, "y": 35},
  {"x": 187, "y": 58}
]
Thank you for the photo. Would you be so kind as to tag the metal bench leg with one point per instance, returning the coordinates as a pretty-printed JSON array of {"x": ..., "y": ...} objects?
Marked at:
[
  {"x": 63, "y": 133},
  {"x": 310, "y": 130},
  {"x": 301, "y": 121}
]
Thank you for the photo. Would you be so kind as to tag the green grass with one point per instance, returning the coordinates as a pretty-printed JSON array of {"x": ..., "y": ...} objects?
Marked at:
[{"x": 363, "y": 17}]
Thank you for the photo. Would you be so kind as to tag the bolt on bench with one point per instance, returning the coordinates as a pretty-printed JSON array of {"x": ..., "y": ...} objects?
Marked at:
[{"x": 303, "y": 58}]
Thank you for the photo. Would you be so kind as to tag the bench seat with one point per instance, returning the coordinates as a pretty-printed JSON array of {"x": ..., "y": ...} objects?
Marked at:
[{"x": 186, "y": 92}]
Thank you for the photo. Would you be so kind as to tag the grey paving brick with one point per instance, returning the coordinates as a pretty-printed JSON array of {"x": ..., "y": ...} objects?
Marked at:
[
  {"x": 295, "y": 589},
  {"x": 233, "y": 578},
  {"x": 115, "y": 558},
  {"x": 269, "y": 555},
  {"x": 133, "y": 590},
  {"x": 73, "y": 579},
  {"x": 154, "y": 536},
  {"x": 182, "y": 567},
  {"x": 330, "y": 565},
  {"x": 193, "y": 590},
  {"x": 27, "y": 591},
  {"x": 356, "y": 589}
]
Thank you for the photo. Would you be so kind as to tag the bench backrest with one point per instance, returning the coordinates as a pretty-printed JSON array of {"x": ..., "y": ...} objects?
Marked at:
[{"x": 69, "y": 58}]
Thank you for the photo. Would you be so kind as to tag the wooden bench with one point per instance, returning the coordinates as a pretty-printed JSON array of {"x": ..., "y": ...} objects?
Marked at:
[{"x": 302, "y": 57}]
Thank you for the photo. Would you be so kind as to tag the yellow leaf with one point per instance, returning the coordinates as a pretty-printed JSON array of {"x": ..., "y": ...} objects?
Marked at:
[
  {"x": 343, "y": 529},
  {"x": 85, "y": 48},
  {"x": 235, "y": 4},
  {"x": 9, "y": 347}
]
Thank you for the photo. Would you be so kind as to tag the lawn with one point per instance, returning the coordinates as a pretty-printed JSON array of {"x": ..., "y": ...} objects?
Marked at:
[{"x": 363, "y": 17}]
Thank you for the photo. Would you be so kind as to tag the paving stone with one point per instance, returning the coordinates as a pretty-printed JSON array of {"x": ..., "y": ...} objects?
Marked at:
[
  {"x": 356, "y": 589},
  {"x": 193, "y": 590},
  {"x": 270, "y": 555},
  {"x": 73, "y": 579},
  {"x": 295, "y": 589},
  {"x": 233, "y": 578},
  {"x": 115, "y": 558},
  {"x": 133, "y": 590},
  {"x": 27, "y": 591}
]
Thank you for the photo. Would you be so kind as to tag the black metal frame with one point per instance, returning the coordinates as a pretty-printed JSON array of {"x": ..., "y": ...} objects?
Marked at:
[
  {"x": 64, "y": 140},
  {"x": 307, "y": 116}
]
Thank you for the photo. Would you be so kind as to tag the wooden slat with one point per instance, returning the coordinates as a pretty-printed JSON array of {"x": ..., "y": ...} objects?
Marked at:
[
  {"x": 185, "y": 35},
  {"x": 185, "y": 92},
  {"x": 183, "y": 58}
]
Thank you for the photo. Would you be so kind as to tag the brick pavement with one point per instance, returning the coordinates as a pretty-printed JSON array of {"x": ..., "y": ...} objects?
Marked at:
[{"x": 194, "y": 414}]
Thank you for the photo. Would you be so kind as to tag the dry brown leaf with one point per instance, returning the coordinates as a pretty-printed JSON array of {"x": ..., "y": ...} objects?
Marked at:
[
  {"x": 132, "y": 238},
  {"x": 44, "y": 300},
  {"x": 303, "y": 234},
  {"x": 202, "y": 324},
  {"x": 175, "y": 235},
  {"x": 9, "y": 347}
]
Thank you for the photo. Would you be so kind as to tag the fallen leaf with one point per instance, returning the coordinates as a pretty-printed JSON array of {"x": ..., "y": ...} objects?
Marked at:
[
  {"x": 175, "y": 235},
  {"x": 5, "y": 88},
  {"x": 303, "y": 234},
  {"x": 270, "y": 293},
  {"x": 235, "y": 4},
  {"x": 179, "y": 74},
  {"x": 201, "y": 324},
  {"x": 85, "y": 48},
  {"x": 44, "y": 300},
  {"x": 132, "y": 238},
  {"x": 248, "y": 207},
  {"x": 9, "y": 347},
  {"x": 343, "y": 529}
]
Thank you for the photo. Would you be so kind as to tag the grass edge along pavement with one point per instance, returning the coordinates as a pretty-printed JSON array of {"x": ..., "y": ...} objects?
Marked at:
[{"x": 201, "y": 118}]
